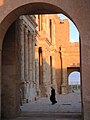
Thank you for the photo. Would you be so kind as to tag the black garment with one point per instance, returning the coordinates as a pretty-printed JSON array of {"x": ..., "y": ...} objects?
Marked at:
[{"x": 52, "y": 97}]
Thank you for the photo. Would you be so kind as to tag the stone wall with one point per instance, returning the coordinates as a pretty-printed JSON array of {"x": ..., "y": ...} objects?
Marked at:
[
  {"x": 69, "y": 52},
  {"x": 27, "y": 32},
  {"x": 64, "y": 53},
  {"x": 10, "y": 75}
]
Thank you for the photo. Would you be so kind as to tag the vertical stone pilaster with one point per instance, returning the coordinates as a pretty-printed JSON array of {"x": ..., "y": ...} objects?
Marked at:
[
  {"x": 53, "y": 73},
  {"x": 64, "y": 84},
  {"x": 44, "y": 65},
  {"x": 64, "y": 74},
  {"x": 30, "y": 65},
  {"x": 26, "y": 54},
  {"x": 48, "y": 74},
  {"x": 22, "y": 67},
  {"x": 26, "y": 62},
  {"x": 33, "y": 58},
  {"x": 45, "y": 80},
  {"x": 30, "y": 57},
  {"x": 22, "y": 49},
  {"x": 37, "y": 70}
]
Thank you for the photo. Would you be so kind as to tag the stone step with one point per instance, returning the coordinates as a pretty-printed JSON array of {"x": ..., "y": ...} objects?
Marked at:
[{"x": 70, "y": 116}]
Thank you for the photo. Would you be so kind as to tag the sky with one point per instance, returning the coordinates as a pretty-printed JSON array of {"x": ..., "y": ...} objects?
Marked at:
[
  {"x": 74, "y": 34},
  {"x": 74, "y": 78}
]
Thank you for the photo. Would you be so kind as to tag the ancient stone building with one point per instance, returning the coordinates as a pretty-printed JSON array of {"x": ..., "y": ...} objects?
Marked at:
[
  {"x": 27, "y": 36},
  {"x": 22, "y": 40},
  {"x": 69, "y": 52},
  {"x": 44, "y": 58},
  {"x": 55, "y": 56},
  {"x": 46, "y": 47}
]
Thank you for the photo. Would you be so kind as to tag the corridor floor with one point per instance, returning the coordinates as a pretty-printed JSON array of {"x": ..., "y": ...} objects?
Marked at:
[
  {"x": 65, "y": 103},
  {"x": 68, "y": 107}
]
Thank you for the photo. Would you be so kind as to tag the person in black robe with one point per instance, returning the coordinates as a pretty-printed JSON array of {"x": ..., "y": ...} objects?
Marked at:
[{"x": 52, "y": 97}]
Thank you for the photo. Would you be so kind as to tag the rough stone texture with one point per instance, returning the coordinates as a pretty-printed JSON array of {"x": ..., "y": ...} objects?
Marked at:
[
  {"x": 78, "y": 11},
  {"x": 52, "y": 48},
  {"x": 27, "y": 31},
  {"x": 64, "y": 53},
  {"x": 69, "y": 52},
  {"x": 10, "y": 75}
]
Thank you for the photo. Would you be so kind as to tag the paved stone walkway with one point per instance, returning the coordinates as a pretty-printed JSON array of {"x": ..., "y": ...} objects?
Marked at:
[
  {"x": 49, "y": 116},
  {"x": 65, "y": 103},
  {"x": 68, "y": 107}
]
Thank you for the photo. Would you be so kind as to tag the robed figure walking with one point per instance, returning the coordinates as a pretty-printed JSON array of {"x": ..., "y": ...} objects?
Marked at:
[{"x": 52, "y": 97}]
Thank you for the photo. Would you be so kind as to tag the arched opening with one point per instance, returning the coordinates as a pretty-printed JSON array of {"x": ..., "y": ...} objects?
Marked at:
[
  {"x": 28, "y": 8},
  {"x": 74, "y": 82},
  {"x": 40, "y": 55},
  {"x": 74, "y": 88}
]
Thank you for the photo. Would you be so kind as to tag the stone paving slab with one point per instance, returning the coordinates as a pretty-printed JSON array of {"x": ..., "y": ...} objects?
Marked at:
[
  {"x": 35, "y": 118},
  {"x": 68, "y": 107},
  {"x": 65, "y": 103},
  {"x": 43, "y": 118},
  {"x": 49, "y": 116}
]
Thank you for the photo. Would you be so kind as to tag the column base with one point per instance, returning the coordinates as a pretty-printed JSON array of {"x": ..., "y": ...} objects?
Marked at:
[{"x": 64, "y": 88}]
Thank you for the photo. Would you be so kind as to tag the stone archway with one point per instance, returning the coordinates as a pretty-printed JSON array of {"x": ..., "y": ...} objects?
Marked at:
[
  {"x": 10, "y": 10},
  {"x": 31, "y": 7},
  {"x": 70, "y": 70},
  {"x": 74, "y": 83}
]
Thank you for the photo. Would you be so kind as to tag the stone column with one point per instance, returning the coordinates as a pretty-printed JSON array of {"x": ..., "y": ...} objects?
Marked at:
[
  {"x": 33, "y": 59},
  {"x": 30, "y": 57},
  {"x": 22, "y": 49},
  {"x": 53, "y": 73},
  {"x": 48, "y": 75},
  {"x": 64, "y": 73},
  {"x": 29, "y": 49},
  {"x": 37, "y": 70},
  {"x": 22, "y": 88},
  {"x": 45, "y": 80},
  {"x": 30, "y": 69},
  {"x": 26, "y": 61},
  {"x": 44, "y": 64},
  {"x": 26, "y": 54}
]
